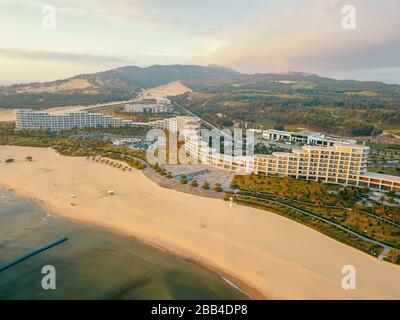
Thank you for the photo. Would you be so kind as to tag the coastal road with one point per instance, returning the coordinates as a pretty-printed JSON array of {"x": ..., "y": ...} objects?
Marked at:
[{"x": 208, "y": 124}]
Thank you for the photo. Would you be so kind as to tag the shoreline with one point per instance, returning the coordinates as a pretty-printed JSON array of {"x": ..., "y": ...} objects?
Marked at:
[
  {"x": 234, "y": 282},
  {"x": 264, "y": 254}
]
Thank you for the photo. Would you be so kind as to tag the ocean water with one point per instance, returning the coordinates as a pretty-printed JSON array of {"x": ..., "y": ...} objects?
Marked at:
[{"x": 94, "y": 263}]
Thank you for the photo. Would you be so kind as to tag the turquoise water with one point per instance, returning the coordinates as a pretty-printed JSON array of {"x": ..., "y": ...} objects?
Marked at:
[{"x": 94, "y": 263}]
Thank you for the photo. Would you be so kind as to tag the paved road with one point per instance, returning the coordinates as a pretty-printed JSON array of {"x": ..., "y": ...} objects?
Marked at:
[
  {"x": 195, "y": 115},
  {"x": 176, "y": 185},
  {"x": 208, "y": 124},
  {"x": 384, "y": 254}
]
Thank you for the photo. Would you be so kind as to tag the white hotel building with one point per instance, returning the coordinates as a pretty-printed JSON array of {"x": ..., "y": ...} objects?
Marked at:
[
  {"x": 35, "y": 120},
  {"x": 305, "y": 137},
  {"x": 147, "y": 108},
  {"x": 28, "y": 119}
]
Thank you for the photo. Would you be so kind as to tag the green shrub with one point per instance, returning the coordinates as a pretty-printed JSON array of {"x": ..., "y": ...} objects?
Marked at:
[
  {"x": 194, "y": 183},
  {"x": 205, "y": 185}
]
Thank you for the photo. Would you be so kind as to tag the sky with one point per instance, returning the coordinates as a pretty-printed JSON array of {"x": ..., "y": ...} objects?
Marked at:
[{"x": 247, "y": 35}]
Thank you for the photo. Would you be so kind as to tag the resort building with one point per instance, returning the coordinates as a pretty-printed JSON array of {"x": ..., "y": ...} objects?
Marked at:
[
  {"x": 147, "y": 108},
  {"x": 28, "y": 119},
  {"x": 342, "y": 163},
  {"x": 176, "y": 124},
  {"x": 304, "y": 137},
  {"x": 35, "y": 120}
]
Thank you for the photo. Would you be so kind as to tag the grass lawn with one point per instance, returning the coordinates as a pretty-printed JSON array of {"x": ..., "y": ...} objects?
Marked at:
[
  {"x": 363, "y": 93},
  {"x": 391, "y": 171}
]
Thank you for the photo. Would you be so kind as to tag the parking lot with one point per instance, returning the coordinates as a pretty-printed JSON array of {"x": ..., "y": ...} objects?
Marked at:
[{"x": 212, "y": 175}]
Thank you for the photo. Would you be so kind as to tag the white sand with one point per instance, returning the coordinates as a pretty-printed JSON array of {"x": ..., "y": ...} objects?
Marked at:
[
  {"x": 71, "y": 84},
  {"x": 173, "y": 88},
  {"x": 7, "y": 114},
  {"x": 279, "y": 257}
]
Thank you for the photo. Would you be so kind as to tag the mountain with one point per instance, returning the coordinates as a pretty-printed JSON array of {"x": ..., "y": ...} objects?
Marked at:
[
  {"x": 158, "y": 74},
  {"x": 124, "y": 83},
  {"x": 112, "y": 85}
]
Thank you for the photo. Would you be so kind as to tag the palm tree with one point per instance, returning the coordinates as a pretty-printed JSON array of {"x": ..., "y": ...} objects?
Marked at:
[
  {"x": 391, "y": 201},
  {"x": 288, "y": 182},
  {"x": 395, "y": 255},
  {"x": 299, "y": 194},
  {"x": 205, "y": 185},
  {"x": 372, "y": 206},
  {"x": 382, "y": 199},
  {"x": 194, "y": 183}
]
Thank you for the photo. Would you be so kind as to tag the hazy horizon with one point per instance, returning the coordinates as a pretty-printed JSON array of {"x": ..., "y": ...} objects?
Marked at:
[{"x": 248, "y": 36}]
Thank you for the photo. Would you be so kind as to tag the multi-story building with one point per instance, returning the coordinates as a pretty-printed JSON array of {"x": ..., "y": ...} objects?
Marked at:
[
  {"x": 35, "y": 120},
  {"x": 341, "y": 163},
  {"x": 147, "y": 108},
  {"x": 305, "y": 137},
  {"x": 176, "y": 124},
  {"x": 28, "y": 119}
]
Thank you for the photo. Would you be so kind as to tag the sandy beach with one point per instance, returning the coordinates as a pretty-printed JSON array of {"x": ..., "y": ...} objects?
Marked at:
[{"x": 278, "y": 257}]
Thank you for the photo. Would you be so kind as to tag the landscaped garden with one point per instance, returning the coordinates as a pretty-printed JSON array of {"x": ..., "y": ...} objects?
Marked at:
[{"x": 348, "y": 207}]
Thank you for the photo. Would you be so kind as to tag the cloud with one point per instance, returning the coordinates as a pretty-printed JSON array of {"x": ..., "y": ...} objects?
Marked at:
[
  {"x": 115, "y": 11},
  {"x": 308, "y": 36},
  {"x": 49, "y": 56},
  {"x": 251, "y": 36}
]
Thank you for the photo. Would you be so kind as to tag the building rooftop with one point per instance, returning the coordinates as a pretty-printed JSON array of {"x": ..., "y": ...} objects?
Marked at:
[{"x": 380, "y": 176}]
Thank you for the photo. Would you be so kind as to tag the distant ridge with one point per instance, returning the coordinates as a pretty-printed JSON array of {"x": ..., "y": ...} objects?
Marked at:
[
  {"x": 112, "y": 85},
  {"x": 125, "y": 82}
]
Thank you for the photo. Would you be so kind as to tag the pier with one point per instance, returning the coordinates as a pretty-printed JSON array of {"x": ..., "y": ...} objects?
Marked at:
[{"x": 30, "y": 254}]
